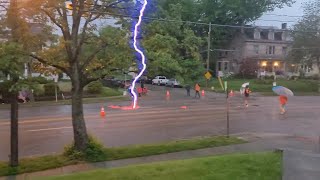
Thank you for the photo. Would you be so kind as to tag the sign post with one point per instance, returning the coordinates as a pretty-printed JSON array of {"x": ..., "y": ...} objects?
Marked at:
[
  {"x": 208, "y": 76},
  {"x": 227, "y": 107},
  {"x": 56, "y": 77}
]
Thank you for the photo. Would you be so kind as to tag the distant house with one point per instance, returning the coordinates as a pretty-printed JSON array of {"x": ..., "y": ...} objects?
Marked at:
[
  {"x": 308, "y": 66},
  {"x": 266, "y": 46}
]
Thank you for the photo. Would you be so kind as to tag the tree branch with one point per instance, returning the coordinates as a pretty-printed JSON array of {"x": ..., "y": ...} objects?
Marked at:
[
  {"x": 87, "y": 80},
  {"x": 65, "y": 70},
  {"x": 91, "y": 57},
  {"x": 53, "y": 20},
  {"x": 4, "y": 7},
  {"x": 115, "y": 3},
  {"x": 85, "y": 27}
]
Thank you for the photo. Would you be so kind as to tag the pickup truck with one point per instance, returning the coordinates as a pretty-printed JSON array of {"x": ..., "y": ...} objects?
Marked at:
[{"x": 160, "y": 80}]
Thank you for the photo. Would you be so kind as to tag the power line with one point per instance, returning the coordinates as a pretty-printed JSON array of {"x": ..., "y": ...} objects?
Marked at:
[
  {"x": 282, "y": 15},
  {"x": 196, "y": 23}
]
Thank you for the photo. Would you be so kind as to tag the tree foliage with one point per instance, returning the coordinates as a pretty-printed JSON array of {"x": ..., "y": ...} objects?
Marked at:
[
  {"x": 306, "y": 35},
  {"x": 172, "y": 48},
  {"x": 226, "y": 12},
  {"x": 84, "y": 52}
]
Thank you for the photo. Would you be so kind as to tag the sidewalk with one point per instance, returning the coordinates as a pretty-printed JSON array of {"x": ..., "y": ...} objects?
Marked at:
[{"x": 257, "y": 143}]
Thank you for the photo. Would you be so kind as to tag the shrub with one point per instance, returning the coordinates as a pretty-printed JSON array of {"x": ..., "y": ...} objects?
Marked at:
[
  {"x": 249, "y": 68},
  {"x": 94, "y": 152},
  {"x": 109, "y": 92},
  {"x": 49, "y": 89},
  {"x": 95, "y": 87},
  {"x": 40, "y": 80},
  {"x": 38, "y": 90}
]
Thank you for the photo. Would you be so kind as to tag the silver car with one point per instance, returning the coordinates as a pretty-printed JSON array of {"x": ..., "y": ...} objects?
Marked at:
[{"x": 173, "y": 83}]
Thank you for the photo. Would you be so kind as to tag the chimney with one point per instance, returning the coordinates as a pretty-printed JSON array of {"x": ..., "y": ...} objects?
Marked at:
[{"x": 284, "y": 26}]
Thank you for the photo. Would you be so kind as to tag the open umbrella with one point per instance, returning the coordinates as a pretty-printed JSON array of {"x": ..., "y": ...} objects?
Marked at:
[
  {"x": 244, "y": 86},
  {"x": 280, "y": 90}
]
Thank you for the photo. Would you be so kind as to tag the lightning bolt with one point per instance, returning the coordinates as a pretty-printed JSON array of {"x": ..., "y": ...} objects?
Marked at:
[{"x": 143, "y": 60}]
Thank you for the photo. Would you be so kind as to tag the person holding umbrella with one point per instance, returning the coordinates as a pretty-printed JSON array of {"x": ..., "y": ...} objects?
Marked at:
[
  {"x": 246, "y": 95},
  {"x": 283, "y": 93},
  {"x": 283, "y": 101}
]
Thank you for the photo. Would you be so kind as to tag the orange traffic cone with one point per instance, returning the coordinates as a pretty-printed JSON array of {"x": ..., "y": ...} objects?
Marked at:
[
  {"x": 102, "y": 113},
  {"x": 202, "y": 93},
  {"x": 231, "y": 93},
  {"x": 168, "y": 94}
]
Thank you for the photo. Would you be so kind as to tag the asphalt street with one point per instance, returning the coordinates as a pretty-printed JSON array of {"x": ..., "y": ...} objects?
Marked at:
[{"x": 46, "y": 130}]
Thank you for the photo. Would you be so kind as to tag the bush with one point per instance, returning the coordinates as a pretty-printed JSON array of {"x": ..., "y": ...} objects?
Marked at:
[
  {"x": 38, "y": 90},
  {"x": 94, "y": 152},
  {"x": 249, "y": 68},
  {"x": 95, "y": 87},
  {"x": 109, "y": 92},
  {"x": 49, "y": 89},
  {"x": 40, "y": 80}
]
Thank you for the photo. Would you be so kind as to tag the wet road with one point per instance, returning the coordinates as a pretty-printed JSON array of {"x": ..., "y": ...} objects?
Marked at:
[{"x": 46, "y": 130}]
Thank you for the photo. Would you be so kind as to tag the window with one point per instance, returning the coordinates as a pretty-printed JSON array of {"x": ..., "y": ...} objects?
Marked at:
[
  {"x": 219, "y": 66},
  {"x": 278, "y": 36},
  {"x": 284, "y": 51},
  {"x": 270, "y": 50},
  {"x": 264, "y": 35},
  {"x": 273, "y": 49},
  {"x": 226, "y": 53},
  {"x": 226, "y": 66},
  {"x": 256, "y": 49}
]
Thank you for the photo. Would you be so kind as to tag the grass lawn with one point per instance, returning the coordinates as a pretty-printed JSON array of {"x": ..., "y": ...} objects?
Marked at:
[
  {"x": 109, "y": 92},
  {"x": 300, "y": 86},
  {"x": 54, "y": 161},
  {"x": 259, "y": 166}
]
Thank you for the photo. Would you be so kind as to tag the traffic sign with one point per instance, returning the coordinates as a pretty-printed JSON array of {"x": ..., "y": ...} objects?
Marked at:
[{"x": 208, "y": 75}]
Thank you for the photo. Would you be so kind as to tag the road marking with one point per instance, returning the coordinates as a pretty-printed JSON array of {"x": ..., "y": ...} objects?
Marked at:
[
  {"x": 156, "y": 111},
  {"x": 49, "y": 129}
]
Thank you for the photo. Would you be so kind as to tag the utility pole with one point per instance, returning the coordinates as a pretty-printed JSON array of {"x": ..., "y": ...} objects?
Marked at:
[
  {"x": 14, "y": 150},
  {"x": 208, "y": 51}
]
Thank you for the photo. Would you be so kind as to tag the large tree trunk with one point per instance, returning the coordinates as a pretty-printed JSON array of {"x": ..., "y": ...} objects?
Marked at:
[
  {"x": 14, "y": 150},
  {"x": 79, "y": 126}
]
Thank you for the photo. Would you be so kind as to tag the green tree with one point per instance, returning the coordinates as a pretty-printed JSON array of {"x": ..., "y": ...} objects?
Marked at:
[
  {"x": 166, "y": 42},
  {"x": 11, "y": 64},
  {"x": 306, "y": 44},
  {"x": 81, "y": 53},
  {"x": 172, "y": 48},
  {"x": 17, "y": 32}
]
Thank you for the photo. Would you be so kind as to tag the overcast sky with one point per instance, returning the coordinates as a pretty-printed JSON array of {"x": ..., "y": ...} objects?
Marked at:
[{"x": 295, "y": 10}]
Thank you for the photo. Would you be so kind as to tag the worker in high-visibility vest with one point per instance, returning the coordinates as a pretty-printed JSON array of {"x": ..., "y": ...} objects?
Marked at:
[{"x": 197, "y": 89}]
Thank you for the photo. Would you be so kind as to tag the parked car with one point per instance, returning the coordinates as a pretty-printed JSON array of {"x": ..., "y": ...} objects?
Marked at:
[
  {"x": 160, "y": 80},
  {"x": 147, "y": 80},
  {"x": 112, "y": 82},
  {"x": 173, "y": 83}
]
